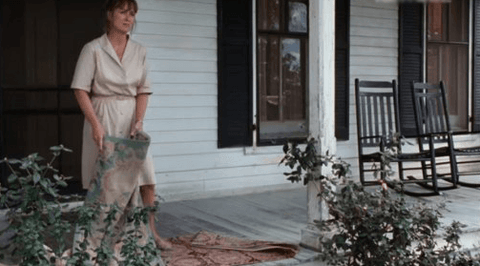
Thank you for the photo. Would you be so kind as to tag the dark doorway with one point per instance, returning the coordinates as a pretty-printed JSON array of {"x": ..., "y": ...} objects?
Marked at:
[{"x": 40, "y": 43}]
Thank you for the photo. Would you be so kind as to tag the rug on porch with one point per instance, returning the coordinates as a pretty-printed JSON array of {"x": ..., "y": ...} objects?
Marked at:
[{"x": 212, "y": 249}]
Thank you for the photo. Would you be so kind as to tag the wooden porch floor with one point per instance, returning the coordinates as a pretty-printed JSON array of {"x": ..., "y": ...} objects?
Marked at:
[
  {"x": 274, "y": 216},
  {"x": 280, "y": 216}
]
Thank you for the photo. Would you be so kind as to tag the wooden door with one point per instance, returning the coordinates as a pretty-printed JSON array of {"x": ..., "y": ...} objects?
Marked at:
[{"x": 41, "y": 41}]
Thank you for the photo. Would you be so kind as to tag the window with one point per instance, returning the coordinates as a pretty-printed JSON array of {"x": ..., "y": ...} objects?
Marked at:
[
  {"x": 447, "y": 55},
  {"x": 446, "y": 30},
  {"x": 282, "y": 67},
  {"x": 281, "y": 55}
]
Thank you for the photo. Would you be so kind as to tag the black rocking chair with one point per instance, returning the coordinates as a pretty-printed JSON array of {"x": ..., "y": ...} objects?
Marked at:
[
  {"x": 431, "y": 113},
  {"x": 377, "y": 122}
]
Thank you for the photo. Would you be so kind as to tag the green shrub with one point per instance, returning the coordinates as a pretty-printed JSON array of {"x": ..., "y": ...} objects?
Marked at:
[
  {"x": 371, "y": 226},
  {"x": 35, "y": 214}
]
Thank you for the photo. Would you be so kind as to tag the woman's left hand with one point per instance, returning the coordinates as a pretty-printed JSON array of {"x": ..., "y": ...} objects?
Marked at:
[{"x": 138, "y": 126}]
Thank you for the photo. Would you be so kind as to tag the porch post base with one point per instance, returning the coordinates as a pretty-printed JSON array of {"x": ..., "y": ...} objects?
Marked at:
[{"x": 310, "y": 237}]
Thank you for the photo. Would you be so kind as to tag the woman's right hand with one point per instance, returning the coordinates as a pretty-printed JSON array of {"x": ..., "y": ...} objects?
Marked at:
[{"x": 97, "y": 134}]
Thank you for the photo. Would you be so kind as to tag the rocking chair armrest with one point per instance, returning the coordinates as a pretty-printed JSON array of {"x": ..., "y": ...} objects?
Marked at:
[
  {"x": 432, "y": 135},
  {"x": 460, "y": 133},
  {"x": 382, "y": 138},
  {"x": 373, "y": 137}
]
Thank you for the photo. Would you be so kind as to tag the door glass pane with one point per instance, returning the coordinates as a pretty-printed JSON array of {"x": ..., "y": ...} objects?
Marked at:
[
  {"x": 297, "y": 21},
  {"x": 268, "y": 14}
]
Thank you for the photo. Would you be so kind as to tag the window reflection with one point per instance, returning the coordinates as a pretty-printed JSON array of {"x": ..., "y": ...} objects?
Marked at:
[
  {"x": 297, "y": 17},
  {"x": 293, "y": 94},
  {"x": 291, "y": 54}
]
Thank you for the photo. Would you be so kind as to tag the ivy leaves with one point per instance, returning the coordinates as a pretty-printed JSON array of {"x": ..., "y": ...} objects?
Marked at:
[{"x": 306, "y": 164}]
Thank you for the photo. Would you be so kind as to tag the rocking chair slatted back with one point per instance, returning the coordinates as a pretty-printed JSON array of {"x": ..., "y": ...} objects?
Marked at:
[
  {"x": 377, "y": 122},
  {"x": 376, "y": 105},
  {"x": 431, "y": 110},
  {"x": 376, "y": 115},
  {"x": 432, "y": 118}
]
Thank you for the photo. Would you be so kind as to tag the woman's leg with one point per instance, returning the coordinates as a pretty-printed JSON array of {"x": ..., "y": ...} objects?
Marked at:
[{"x": 148, "y": 197}]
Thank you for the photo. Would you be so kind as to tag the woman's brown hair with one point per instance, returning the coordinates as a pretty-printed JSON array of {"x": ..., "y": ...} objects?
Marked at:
[{"x": 111, "y": 5}]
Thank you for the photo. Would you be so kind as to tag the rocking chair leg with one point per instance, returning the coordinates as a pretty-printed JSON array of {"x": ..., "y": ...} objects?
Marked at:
[
  {"x": 361, "y": 170},
  {"x": 400, "y": 171}
]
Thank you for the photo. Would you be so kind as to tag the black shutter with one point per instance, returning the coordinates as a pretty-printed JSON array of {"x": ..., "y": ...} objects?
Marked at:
[
  {"x": 476, "y": 66},
  {"x": 234, "y": 73},
  {"x": 3, "y": 172},
  {"x": 410, "y": 61},
  {"x": 342, "y": 54}
]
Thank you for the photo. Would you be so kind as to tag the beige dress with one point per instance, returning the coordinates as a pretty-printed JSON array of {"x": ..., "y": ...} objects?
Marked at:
[{"x": 113, "y": 85}]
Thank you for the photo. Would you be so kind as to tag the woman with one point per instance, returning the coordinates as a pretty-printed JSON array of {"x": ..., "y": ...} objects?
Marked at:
[{"x": 112, "y": 89}]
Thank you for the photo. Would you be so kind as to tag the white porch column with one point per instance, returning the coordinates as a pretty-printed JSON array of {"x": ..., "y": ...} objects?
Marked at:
[{"x": 321, "y": 103}]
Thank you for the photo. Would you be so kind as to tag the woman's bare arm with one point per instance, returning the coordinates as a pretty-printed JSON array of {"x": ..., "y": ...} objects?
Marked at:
[
  {"x": 86, "y": 106},
  {"x": 140, "y": 109}
]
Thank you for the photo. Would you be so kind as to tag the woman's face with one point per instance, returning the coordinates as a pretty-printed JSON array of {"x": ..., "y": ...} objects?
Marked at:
[{"x": 121, "y": 19}]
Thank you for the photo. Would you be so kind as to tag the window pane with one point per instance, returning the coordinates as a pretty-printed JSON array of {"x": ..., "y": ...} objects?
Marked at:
[
  {"x": 447, "y": 55},
  {"x": 281, "y": 70},
  {"x": 293, "y": 93},
  {"x": 435, "y": 21},
  {"x": 458, "y": 21},
  {"x": 297, "y": 21},
  {"x": 269, "y": 78},
  {"x": 268, "y": 14}
]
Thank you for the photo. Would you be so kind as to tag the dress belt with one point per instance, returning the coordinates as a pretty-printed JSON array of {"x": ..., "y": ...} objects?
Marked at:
[{"x": 113, "y": 97}]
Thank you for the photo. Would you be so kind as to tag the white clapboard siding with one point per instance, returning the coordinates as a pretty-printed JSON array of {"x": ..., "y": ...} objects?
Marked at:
[
  {"x": 373, "y": 56},
  {"x": 180, "y": 112},
  {"x": 183, "y": 135},
  {"x": 373, "y": 41},
  {"x": 372, "y": 51},
  {"x": 182, "y": 54},
  {"x": 169, "y": 17},
  {"x": 365, "y": 60},
  {"x": 185, "y": 89},
  {"x": 169, "y": 41},
  {"x": 182, "y": 7},
  {"x": 182, "y": 124},
  {"x": 183, "y": 77},
  {"x": 159, "y": 65},
  {"x": 181, "y": 41},
  {"x": 183, "y": 100},
  {"x": 179, "y": 148},
  {"x": 205, "y": 161},
  {"x": 222, "y": 173},
  {"x": 175, "y": 30}
]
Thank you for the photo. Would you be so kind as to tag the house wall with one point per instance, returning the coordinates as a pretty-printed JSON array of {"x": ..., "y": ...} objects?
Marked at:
[
  {"x": 180, "y": 36},
  {"x": 373, "y": 56}
]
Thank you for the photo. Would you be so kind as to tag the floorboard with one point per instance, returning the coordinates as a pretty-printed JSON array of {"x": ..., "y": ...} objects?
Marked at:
[{"x": 273, "y": 216}]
